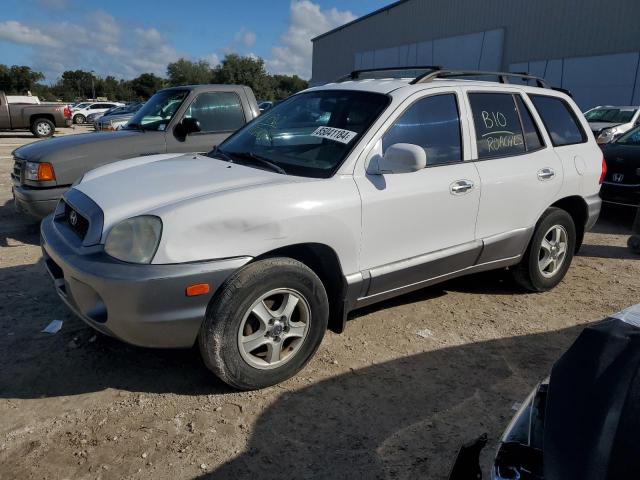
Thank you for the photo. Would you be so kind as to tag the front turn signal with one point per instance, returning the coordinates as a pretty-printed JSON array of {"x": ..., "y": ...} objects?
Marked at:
[
  {"x": 197, "y": 289},
  {"x": 45, "y": 172}
]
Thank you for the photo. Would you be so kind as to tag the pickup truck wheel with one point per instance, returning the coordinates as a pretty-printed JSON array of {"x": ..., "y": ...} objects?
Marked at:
[
  {"x": 549, "y": 254},
  {"x": 79, "y": 119},
  {"x": 264, "y": 324},
  {"x": 42, "y": 128}
]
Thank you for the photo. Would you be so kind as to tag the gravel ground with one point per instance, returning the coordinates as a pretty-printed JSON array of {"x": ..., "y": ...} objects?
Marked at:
[{"x": 394, "y": 396}]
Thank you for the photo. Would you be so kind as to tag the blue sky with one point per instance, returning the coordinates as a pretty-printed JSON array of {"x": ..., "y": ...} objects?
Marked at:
[{"x": 128, "y": 37}]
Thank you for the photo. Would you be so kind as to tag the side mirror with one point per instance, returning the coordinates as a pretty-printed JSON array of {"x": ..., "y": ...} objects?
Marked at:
[
  {"x": 399, "y": 158},
  {"x": 190, "y": 125}
]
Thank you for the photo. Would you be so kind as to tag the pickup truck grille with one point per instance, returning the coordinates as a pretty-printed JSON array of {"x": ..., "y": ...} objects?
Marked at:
[
  {"x": 17, "y": 172},
  {"x": 76, "y": 222}
]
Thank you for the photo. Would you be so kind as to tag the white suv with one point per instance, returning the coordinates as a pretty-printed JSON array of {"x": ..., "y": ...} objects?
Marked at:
[
  {"x": 80, "y": 115},
  {"x": 339, "y": 197}
]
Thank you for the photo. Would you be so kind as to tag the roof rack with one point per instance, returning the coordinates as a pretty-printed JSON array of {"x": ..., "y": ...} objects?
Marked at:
[
  {"x": 437, "y": 71},
  {"x": 503, "y": 77},
  {"x": 355, "y": 75}
]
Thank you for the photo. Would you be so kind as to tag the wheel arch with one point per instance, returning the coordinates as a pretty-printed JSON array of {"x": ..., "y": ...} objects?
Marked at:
[
  {"x": 324, "y": 262},
  {"x": 579, "y": 211},
  {"x": 37, "y": 116}
]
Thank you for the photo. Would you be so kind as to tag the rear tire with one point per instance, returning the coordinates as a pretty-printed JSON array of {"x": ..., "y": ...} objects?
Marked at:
[
  {"x": 549, "y": 254},
  {"x": 249, "y": 346},
  {"x": 42, "y": 128},
  {"x": 79, "y": 119}
]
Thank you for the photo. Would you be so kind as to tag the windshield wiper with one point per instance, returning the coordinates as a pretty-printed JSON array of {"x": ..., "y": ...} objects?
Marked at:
[
  {"x": 135, "y": 126},
  {"x": 220, "y": 153},
  {"x": 261, "y": 160}
]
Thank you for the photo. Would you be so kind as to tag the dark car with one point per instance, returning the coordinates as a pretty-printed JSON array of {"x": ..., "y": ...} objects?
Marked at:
[
  {"x": 583, "y": 421},
  {"x": 622, "y": 182}
]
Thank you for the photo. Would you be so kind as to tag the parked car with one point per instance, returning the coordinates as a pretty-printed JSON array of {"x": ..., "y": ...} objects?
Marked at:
[
  {"x": 608, "y": 123},
  {"x": 175, "y": 120},
  {"x": 118, "y": 118},
  {"x": 254, "y": 249},
  {"x": 80, "y": 114},
  {"x": 41, "y": 119},
  {"x": 582, "y": 421},
  {"x": 622, "y": 182}
]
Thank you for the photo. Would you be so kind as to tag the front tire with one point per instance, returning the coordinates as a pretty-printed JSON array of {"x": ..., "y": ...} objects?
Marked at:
[
  {"x": 264, "y": 324},
  {"x": 79, "y": 119},
  {"x": 42, "y": 128},
  {"x": 549, "y": 254}
]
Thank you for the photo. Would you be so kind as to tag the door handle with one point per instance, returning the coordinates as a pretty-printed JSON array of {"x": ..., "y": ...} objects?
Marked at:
[
  {"x": 460, "y": 187},
  {"x": 546, "y": 174}
]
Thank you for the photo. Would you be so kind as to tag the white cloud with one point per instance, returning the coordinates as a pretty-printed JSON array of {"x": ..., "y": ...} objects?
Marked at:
[
  {"x": 307, "y": 20},
  {"x": 245, "y": 37},
  {"x": 16, "y": 32},
  {"x": 100, "y": 43}
]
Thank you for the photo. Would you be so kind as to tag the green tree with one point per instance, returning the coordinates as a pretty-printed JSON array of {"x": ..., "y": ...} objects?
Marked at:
[
  {"x": 18, "y": 79},
  {"x": 186, "y": 72},
  {"x": 249, "y": 71},
  {"x": 286, "y": 85},
  {"x": 146, "y": 85}
]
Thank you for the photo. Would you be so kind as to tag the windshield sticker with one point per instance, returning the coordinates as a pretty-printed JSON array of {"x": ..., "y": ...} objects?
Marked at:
[{"x": 335, "y": 134}]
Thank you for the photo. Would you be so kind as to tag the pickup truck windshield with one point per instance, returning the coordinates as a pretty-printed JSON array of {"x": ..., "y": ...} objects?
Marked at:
[
  {"x": 308, "y": 135},
  {"x": 610, "y": 115},
  {"x": 158, "y": 111}
]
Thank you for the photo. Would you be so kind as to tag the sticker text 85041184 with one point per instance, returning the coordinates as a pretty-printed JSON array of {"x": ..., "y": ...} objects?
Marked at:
[{"x": 335, "y": 134}]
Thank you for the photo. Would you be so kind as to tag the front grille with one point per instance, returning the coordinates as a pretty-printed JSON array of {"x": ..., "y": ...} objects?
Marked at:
[
  {"x": 16, "y": 173},
  {"x": 76, "y": 222}
]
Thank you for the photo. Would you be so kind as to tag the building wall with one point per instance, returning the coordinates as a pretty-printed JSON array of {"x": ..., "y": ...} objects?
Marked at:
[{"x": 531, "y": 33}]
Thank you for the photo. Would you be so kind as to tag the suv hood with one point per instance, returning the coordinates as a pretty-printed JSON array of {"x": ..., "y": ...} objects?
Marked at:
[{"x": 141, "y": 185}]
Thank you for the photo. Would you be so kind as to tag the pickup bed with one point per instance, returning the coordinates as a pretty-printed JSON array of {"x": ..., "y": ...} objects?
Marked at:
[
  {"x": 194, "y": 118},
  {"x": 40, "y": 119}
]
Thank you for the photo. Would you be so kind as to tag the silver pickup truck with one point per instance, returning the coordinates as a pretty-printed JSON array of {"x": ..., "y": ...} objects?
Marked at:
[
  {"x": 180, "y": 119},
  {"x": 40, "y": 119}
]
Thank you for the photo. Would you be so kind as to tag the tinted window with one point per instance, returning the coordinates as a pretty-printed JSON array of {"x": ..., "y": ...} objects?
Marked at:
[
  {"x": 532, "y": 139},
  {"x": 559, "y": 120},
  {"x": 498, "y": 128},
  {"x": 434, "y": 124},
  {"x": 217, "y": 111},
  {"x": 630, "y": 138}
]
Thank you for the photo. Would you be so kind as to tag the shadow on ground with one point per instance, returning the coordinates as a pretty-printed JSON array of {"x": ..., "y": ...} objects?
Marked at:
[
  {"x": 401, "y": 419},
  {"x": 17, "y": 226}
]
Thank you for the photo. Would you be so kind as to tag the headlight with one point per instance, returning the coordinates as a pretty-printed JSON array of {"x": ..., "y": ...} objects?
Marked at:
[
  {"x": 135, "y": 240},
  {"x": 39, "y": 172},
  {"x": 607, "y": 135}
]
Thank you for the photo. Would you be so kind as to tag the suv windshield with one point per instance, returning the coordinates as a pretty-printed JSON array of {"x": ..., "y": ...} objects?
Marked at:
[
  {"x": 158, "y": 111},
  {"x": 309, "y": 135},
  {"x": 632, "y": 137},
  {"x": 610, "y": 115}
]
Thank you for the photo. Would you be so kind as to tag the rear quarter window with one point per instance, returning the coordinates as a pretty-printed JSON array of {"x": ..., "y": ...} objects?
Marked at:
[{"x": 559, "y": 120}]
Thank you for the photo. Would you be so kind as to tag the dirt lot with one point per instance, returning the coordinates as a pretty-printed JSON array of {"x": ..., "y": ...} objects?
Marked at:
[{"x": 378, "y": 401}]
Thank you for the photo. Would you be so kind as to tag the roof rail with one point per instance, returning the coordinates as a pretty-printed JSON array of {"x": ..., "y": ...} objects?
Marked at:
[
  {"x": 503, "y": 77},
  {"x": 355, "y": 75}
]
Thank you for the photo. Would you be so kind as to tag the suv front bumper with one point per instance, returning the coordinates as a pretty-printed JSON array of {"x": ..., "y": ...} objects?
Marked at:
[{"x": 144, "y": 305}]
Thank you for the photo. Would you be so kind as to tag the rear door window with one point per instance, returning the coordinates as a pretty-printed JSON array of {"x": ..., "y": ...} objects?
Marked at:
[
  {"x": 432, "y": 123},
  {"x": 559, "y": 120},
  {"x": 497, "y": 124},
  {"x": 532, "y": 138}
]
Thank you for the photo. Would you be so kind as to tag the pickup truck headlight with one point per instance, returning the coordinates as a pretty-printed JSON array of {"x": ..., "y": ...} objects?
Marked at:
[
  {"x": 39, "y": 172},
  {"x": 135, "y": 240}
]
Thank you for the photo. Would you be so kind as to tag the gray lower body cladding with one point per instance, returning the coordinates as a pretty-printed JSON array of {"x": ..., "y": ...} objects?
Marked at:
[{"x": 144, "y": 305}]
